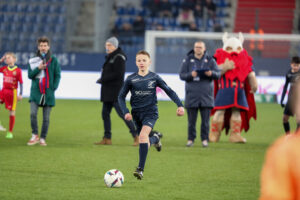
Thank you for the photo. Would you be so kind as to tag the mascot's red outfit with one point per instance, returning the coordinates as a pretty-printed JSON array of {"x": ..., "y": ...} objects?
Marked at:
[{"x": 232, "y": 90}]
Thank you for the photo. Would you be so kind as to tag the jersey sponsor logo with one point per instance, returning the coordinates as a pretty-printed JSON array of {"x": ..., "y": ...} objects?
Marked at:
[
  {"x": 151, "y": 84},
  {"x": 142, "y": 93},
  {"x": 135, "y": 80},
  {"x": 8, "y": 79}
]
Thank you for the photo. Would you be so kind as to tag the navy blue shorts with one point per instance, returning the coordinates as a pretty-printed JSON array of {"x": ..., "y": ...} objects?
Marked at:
[{"x": 144, "y": 118}]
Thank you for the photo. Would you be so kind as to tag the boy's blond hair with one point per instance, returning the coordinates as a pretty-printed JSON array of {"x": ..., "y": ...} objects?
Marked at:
[
  {"x": 143, "y": 52},
  {"x": 11, "y": 54}
]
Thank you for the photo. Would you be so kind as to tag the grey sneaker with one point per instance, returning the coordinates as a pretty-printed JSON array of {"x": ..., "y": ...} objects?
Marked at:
[
  {"x": 138, "y": 173},
  {"x": 190, "y": 143},
  {"x": 158, "y": 145}
]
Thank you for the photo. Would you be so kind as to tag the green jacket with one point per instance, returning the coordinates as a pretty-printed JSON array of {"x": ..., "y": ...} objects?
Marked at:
[{"x": 54, "y": 78}]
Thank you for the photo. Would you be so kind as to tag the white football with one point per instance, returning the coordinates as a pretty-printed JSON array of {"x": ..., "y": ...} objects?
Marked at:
[{"x": 113, "y": 178}]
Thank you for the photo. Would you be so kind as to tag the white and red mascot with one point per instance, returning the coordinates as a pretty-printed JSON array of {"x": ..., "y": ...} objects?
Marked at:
[{"x": 234, "y": 91}]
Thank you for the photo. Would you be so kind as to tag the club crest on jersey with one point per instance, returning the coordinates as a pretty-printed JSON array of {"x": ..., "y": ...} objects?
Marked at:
[
  {"x": 192, "y": 60},
  {"x": 151, "y": 84},
  {"x": 14, "y": 73}
]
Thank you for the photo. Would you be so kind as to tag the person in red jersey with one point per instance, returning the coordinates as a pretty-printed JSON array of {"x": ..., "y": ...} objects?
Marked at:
[{"x": 12, "y": 75}]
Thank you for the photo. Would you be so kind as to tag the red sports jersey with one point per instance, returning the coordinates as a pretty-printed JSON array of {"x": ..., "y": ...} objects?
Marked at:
[{"x": 11, "y": 77}]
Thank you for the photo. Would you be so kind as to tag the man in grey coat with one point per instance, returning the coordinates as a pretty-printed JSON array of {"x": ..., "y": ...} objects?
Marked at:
[{"x": 198, "y": 70}]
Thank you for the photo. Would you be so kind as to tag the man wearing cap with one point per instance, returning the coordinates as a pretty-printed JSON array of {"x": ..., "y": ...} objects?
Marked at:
[{"x": 112, "y": 78}]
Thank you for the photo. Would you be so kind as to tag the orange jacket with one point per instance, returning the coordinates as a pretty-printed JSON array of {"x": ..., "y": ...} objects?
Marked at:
[{"x": 280, "y": 177}]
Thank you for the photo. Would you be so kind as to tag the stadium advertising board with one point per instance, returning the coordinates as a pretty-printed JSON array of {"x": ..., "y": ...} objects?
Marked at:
[{"x": 82, "y": 85}]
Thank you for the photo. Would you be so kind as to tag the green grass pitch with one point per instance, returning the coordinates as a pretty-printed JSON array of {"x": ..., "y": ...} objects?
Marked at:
[{"x": 71, "y": 167}]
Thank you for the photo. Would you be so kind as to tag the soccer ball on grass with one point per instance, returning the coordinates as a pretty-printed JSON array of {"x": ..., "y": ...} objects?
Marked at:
[{"x": 113, "y": 178}]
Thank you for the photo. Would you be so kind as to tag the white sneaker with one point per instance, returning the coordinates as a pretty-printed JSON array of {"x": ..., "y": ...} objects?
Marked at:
[
  {"x": 2, "y": 128},
  {"x": 43, "y": 142},
  {"x": 33, "y": 140},
  {"x": 204, "y": 143}
]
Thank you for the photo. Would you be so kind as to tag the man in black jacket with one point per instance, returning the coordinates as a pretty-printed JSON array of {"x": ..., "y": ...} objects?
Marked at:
[
  {"x": 111, "y": 81},
  {"x": 198, "y": 70}
]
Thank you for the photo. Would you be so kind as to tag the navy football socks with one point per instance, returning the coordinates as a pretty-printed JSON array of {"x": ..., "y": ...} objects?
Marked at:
[
  {"x": 143, "y": 154},
  {"x": 286, "y": 126}
]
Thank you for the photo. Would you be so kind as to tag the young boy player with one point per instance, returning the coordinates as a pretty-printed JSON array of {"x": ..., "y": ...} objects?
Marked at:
[
  {"x": 290, "y": 78},
  {"x": 12, "y": 75},
  {"x": 142, "y": 86}
]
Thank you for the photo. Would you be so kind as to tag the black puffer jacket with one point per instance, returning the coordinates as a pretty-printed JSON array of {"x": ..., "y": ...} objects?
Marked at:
[{"x": 112, "y": 76}]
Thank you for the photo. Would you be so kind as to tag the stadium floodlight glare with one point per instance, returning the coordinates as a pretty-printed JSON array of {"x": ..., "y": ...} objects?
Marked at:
[{"x": 275, "y": 45}]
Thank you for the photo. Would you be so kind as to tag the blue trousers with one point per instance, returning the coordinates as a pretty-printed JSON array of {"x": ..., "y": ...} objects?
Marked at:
[
  {"x": 106, "y": 110},
  {"x": 192, "y": 119}
]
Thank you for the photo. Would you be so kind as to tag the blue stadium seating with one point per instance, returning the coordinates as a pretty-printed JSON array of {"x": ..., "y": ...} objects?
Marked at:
[
  {"x": 126, "y": 14},
  {"x": 21, "y": 22}
]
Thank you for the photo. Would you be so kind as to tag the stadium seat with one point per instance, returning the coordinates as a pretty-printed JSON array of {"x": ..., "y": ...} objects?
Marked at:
[
  {"x": 60, "y": 9},
  {"x": 120, "y": 11},
  {"x": 4, "y": 8},
  {"x": 46, "y": 19},
  {"x": 7, "y": 18},
  {"x": 221, "y": 3},
  {"x": 131, "y": 11},
  {"x": 5, "y": 46},
  {"x": 1, "y": 17},
  {"x": 142, "y": 12}
]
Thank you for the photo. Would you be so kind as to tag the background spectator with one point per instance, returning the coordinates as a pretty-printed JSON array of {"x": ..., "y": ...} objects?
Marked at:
[
  {"x": 152, "y": 6},
  {"x": 198, "y": 11},
  {"x": 139, "y": 25},
  {"x": 193, "y": 27},
  {"x": 211, "y": 8},
  {"x": 186, "y": 17},
  {"x": 165, "y": 8}
]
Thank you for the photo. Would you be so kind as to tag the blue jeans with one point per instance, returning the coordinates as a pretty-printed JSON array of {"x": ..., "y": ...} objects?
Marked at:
[
  {"x": 106, "y": 110},
  {"x": 46, "y": 119}
]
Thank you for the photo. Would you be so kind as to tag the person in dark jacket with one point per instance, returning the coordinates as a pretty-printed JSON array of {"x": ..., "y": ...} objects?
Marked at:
[
  {"x": 111, "y": 81},
  {"x": 290, "y": 79},
  {"x": 44, "y": 81},
  {"x": 198, "y": 71}
]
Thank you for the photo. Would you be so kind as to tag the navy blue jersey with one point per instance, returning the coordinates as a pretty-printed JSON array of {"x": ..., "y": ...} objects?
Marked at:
[{"x": 143, "y": 92}]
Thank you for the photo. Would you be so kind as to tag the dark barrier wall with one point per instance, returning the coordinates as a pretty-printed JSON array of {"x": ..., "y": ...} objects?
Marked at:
[
  {"x": 76, "y": 61},
  {"x": 164, "y": 64}
]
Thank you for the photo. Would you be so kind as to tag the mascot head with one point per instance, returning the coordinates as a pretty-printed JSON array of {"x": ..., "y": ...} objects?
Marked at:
[{"x": 233, "y": 44}]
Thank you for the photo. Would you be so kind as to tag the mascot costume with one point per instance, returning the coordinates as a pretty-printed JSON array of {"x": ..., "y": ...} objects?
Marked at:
[{"x": 234, "y": 91}]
